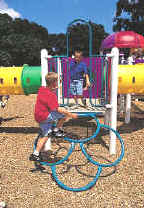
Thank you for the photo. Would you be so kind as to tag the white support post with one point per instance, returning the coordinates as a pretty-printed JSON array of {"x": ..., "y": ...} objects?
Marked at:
[
  {"x": 59, "y": 71},
  {"x": 122, "y": 103},
  {"x": 128, "y": 108},
  {"x": 107, "y": 115},
  {"x": 44, "y": 71},
  {"x": 44, "y": 65},
  {"x": 128, "y": 104},
  {"x": 113, "y": 98}
]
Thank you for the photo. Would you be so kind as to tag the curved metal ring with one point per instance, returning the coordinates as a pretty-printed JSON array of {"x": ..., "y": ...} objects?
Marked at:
[
  {"x": 110, "y": 164},
  {"x": 89, "y": 138},
  {"x": 84, "y": 188}
]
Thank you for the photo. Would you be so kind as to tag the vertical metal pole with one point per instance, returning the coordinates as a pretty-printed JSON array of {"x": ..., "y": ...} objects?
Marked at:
[
  {"x": 44, "y": 71},
  {"x": 44, "y": 65},
  {"x": 59, "y": 79},
  {"x": 113, "y": 98},
  {"x": 128, "y": 108}
]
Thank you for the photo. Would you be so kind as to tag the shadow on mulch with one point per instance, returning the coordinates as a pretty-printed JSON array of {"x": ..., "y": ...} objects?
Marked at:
[
  {"x": 24, "y": 130},
  {"x": 40, "y": 167},
  {"x": 8, "y": 119},
  {"x": 135, "y": 124}
]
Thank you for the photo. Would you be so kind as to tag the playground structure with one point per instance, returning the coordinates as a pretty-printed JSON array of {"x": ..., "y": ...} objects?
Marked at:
[
  {"x": 99, "y": 92},
  {"x": 101, "y": 96},
  {"x": 107, "y": 77},
  {"x": 103, "y": 76}
]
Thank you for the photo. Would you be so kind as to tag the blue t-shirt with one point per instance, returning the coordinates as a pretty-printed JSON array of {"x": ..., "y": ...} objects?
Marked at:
[{"x": 77, "y": 70}]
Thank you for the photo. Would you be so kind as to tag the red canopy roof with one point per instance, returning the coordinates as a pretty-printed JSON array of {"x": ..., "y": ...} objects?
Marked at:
[{"x": 123, "y": 39}]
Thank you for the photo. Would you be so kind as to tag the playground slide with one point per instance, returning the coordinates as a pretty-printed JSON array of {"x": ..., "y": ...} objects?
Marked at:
[{"x": 27, "y": 79}]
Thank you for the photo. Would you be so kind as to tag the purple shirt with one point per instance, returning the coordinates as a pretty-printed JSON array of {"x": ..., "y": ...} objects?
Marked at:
[{"x": 77, "y": 70}]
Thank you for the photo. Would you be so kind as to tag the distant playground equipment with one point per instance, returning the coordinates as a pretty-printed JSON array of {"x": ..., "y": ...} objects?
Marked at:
[
  {"x": 4, "y": 100},
  {"x": 130, "y": 77},
  {"x": 123, "y": 39}
]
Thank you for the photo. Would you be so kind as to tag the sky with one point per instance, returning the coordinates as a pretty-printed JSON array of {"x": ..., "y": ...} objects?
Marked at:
[{"x": 55, "y": 15}]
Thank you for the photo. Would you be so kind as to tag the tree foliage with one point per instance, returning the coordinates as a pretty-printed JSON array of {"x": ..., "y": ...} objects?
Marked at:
[
  {"x": 129, "y": 16},
  {"x": 78, "y": 37},
  {"x": 21, "y": 41}
]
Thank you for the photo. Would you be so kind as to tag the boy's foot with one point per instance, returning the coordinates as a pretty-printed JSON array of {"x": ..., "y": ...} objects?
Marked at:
[
  {"x": 84, "y": 101},
  {"x": 58, "y": 132},
  {"x": 3, "y": 105},
  {"x": 35, "y": 158}
]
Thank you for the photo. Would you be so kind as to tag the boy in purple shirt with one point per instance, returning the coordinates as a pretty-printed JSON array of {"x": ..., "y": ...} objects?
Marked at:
[{"x": 78, "y": 72}]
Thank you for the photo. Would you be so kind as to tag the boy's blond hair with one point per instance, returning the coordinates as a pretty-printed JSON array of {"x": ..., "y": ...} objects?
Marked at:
[{"x": 50, "y": 78}]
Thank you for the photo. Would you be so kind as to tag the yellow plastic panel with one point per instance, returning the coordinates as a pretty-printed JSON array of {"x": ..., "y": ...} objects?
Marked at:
[{"x": 10, "y": 81}]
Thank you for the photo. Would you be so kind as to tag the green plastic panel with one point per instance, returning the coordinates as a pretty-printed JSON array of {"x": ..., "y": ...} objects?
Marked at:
[{"x": 31, "y": 79}]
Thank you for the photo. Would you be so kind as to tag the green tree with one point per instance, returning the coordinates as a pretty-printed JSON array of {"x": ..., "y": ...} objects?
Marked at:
[
  {"x": 21, "y": 41},
  {"x": 5, "y": 58},
  {"x": 129, "y": 16},
  {"x": 79, "y": 37},
  {"x": 57, "y": 44}
]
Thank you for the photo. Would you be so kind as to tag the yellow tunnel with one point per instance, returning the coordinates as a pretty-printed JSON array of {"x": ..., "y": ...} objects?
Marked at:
[
  {"x": 131, "y": 79},
  {"x": 10, "y": 81}
]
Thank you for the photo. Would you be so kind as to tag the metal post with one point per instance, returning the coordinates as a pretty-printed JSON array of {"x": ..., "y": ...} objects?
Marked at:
[
  {"x": 44, "y": 71},
  {"x": 128, "y": 105},
  {"x": 128, "y": 108},
  {"x": 113, "y": 98},
  {"x": 59, "y": 71},
  {"x": 44, "y": 65}
]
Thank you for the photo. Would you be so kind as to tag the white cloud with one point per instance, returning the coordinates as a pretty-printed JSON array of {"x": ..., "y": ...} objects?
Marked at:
[{"x": 10, "y": 11}]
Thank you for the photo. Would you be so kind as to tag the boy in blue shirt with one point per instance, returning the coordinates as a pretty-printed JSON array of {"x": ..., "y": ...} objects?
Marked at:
[{"x": 78, "y": 72}]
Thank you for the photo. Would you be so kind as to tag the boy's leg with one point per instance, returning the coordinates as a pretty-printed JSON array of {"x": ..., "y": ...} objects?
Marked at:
[
  {"x": 83, "y": 101},
  {"x": 73, "y": 89},
  {"x": 61, "y": 122},
  {"x": 79, "y": 90},
  {"x": 75, "y": 99},
  {"x": 60, "y": 118},
  {"x": 35, "y": 155},
  {"x": 41, "y": 143},
  {"x": 46, "y": 132}
]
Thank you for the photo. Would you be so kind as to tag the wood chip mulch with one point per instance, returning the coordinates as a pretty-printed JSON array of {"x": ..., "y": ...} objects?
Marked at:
[{"x": 22, "y": 186}]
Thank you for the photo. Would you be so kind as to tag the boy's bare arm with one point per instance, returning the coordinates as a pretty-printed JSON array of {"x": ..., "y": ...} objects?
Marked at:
[
  {"x": 87, "y": 82},
  {"x": 65, "y": 112}
]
